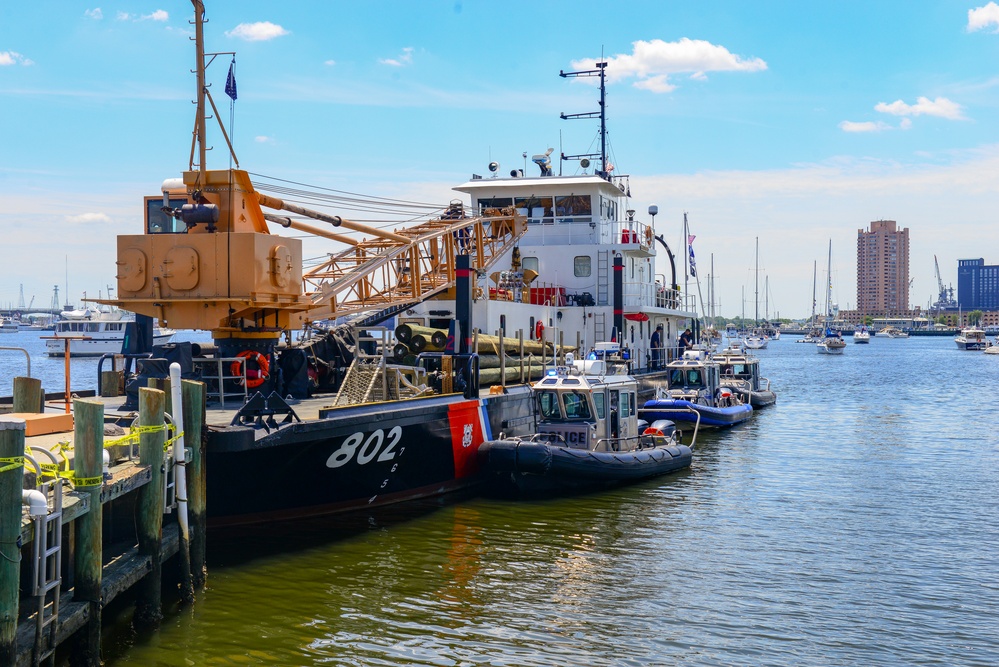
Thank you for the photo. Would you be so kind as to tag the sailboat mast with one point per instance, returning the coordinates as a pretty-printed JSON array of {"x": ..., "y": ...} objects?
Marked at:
[
  {"x": 766, "y": 298},
  {"x": 815, "y": 276},
  {"x": 756, "y": 311},
  {"x": 711, "y": 288},
  {"x": 829, "y": 284}
]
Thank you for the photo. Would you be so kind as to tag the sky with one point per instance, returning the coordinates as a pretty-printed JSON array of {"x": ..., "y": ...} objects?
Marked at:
[{"x": 795, "y": 124}]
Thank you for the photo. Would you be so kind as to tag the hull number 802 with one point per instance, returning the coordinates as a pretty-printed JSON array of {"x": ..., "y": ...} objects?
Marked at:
[{"x": 377, "y": 446}]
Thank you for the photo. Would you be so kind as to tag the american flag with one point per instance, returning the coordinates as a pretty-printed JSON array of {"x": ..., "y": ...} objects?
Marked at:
[{"x": 230, "y": 83}]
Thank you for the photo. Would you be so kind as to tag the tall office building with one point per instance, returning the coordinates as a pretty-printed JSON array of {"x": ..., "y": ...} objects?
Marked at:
[
  {"x": 883, "y": 270},
  {"x": 977, "y": 285}
]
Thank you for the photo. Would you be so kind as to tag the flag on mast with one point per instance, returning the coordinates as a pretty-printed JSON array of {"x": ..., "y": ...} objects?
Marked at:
[
  {"x": 690, "y": 252},
  {"x": 230, "y": 82}
]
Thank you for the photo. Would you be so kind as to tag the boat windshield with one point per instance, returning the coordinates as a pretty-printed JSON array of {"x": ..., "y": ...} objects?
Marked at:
[
  {"x": 576, "y": 405},
  {"x": 690, "y": 377},
  {"x": 548, "y": 405}
]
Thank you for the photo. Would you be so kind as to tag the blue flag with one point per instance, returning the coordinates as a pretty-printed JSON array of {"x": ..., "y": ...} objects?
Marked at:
[
  {"x": 230, "y": 83},
  {"x": 693, "y": 267}
]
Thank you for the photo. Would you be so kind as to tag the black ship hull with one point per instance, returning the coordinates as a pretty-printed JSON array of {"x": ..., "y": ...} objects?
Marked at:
[{"x": 354, "y": 458}]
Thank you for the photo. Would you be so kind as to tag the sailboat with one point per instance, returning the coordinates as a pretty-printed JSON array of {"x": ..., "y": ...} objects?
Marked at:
[
  {"x": 812, "y": 333},
  {"x": 756, "y": 340},
  {"x": 832, "y": 342}
]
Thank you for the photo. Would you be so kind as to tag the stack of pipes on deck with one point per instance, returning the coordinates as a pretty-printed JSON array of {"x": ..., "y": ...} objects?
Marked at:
[{"x": 494, "y": 367}]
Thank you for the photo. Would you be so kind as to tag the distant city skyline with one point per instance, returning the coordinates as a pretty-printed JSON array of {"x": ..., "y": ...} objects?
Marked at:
[{"x": 794, "y": 124}]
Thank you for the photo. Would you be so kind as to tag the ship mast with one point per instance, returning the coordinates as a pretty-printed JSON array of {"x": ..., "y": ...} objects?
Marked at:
[
  {"x": 601, "y": 69},
  {"x": 199, "y": 120}
]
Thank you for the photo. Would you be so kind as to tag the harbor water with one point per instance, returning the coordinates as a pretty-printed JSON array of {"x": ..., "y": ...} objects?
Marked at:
[{"x": 854, "y": 523}]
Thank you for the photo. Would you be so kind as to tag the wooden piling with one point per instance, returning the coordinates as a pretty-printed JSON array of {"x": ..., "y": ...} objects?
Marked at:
[
  {"x": 520, "y": 344},
  {"x": 194, "y": 417},
  {"x": 88, "y": 464},
  {"x": 28, "y": 395},
  {"x": 148, "y": 604},
  {"x": 111, "y": 383},
  {"x": 11, "y": 476}
]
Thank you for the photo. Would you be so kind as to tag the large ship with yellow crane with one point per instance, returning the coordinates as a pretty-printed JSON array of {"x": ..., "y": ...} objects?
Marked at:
[{"x": 331, "y": 421}]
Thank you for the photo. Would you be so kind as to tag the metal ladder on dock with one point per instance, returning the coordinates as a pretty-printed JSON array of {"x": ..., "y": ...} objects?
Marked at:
[{"x": 47, "y": 556}]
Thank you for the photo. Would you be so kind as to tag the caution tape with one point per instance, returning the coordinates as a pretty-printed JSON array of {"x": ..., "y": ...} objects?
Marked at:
[{"x": 12, "y": 463}]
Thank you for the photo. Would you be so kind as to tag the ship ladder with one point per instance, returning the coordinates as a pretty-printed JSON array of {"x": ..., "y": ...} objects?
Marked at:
[{"x": 47, "y": 556}]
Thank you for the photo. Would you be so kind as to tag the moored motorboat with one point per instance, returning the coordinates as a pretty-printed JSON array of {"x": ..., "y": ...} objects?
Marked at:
[
  {"x": 94, "y": 332},
  {"x": 972, "y": 339},
  {"x": 832, "y": 343},
  {"x": 862, "y": 335},
  {"x": 588, "y": 435},
  {"x": 741, "y": 373},
  {"x": 694, "y": 383}
]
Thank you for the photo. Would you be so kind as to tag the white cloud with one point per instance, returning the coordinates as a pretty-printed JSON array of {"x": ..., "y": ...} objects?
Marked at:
[
  {"x": 405, "y": 58},
  {"x": 89, "y": 218},
  {"x": 14, "y": 58},
  {"x": 982, "y": 17},
  {"x": 123, "y": 16},
  {"x": 95, "y": 14},
  {"x": 651, "y": 63},
  {"x": 330, "y": 63},
  {"x": 261, "y": 31},
  {"x": 656, "y": 84},
  {"x": 262, "y": 139},
  {"x": 159, "y": 15},
  {"x": 941, "y": 107},
  {"x": 866, "y": 126}
]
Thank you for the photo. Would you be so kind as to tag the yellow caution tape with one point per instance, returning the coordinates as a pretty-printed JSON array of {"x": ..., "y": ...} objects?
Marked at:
[{"x": 13, "y": 463}]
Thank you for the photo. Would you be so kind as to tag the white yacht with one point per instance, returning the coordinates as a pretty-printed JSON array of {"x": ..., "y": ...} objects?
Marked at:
[
  {"x": 972, "y": 338},
  {"x": 98, "y": 332}
]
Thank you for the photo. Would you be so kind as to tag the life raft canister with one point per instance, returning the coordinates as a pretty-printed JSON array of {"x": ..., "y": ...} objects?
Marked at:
[{"x": 254, "y": 378}]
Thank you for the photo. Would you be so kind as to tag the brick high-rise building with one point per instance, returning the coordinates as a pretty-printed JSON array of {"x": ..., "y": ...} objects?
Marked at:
[{"x": 883, "y": 269}]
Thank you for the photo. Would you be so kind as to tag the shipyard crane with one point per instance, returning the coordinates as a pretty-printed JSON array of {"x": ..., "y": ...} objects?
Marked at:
[{"x": 945, "y": 296}]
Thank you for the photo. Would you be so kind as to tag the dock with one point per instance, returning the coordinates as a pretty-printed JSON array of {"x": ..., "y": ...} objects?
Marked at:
[{"x": 91, "y": 509}]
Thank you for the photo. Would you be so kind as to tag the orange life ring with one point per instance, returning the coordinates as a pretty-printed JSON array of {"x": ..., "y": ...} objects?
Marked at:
[
  {"x": 539, "y": 330},
  {"x": 260, "y": 376}
]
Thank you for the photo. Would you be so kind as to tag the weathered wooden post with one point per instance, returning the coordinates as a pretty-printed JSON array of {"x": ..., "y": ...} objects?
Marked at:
[
  {"x": 194, "y": 418},
  {"x": 111, "y": 383},
  {"x": 88, "y": 464},
  {"x": 520, "y": 340},
  {"x": 11, "y": 480},
  {"x": 148, "y": 604},
  {"x": 28, "y": 396}
]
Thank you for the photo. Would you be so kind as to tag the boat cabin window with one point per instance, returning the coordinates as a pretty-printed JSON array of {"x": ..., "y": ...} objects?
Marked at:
[
  {"x": 598, "y": 404},
  {"x": 608, "y": 208},
  {"x": 495, "y": 202},
  {"x": 158, "y": 222},
  {"x": 529, "y": 263},
  {"x": 626, "y": 405},
  {"x": 737, "y": 370},
  {"x": 548, "y": 405},
  {"x": 574, "y": 208},
  {"x": 536, "y": 209},
  {"x": 690, "y": 377},
  {"x": 576, "y": 405},
  {"x": 581, "y": 266}
]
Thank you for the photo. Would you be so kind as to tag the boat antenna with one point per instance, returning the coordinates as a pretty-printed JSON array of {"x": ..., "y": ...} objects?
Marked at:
[{"x": 601, "y": 69}]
